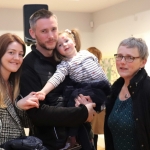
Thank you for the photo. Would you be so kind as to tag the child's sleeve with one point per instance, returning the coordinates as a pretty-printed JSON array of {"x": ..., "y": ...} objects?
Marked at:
[{"x": 60, "y": 74}]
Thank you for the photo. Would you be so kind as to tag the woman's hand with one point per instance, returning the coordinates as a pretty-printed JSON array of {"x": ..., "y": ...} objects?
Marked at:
[{"x": 30, "y": 101}]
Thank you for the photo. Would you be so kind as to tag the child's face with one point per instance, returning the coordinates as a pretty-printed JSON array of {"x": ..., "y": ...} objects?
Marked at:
[{"x": 66, "y": 46}]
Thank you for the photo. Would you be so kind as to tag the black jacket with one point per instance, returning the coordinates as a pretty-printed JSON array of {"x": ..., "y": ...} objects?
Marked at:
[
  {"x": 49, "y": 121},
  {"x": 98, "y": 91},
  {"x": 139, "y": 89}
]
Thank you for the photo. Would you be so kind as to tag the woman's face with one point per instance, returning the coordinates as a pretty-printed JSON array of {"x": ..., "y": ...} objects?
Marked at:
[
  {"x": 128, "y": 69},
  {"x": 12, "y": 59}
]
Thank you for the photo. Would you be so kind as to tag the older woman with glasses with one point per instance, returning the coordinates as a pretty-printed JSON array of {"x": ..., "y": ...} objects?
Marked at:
[{"x": 127, "y": 117}]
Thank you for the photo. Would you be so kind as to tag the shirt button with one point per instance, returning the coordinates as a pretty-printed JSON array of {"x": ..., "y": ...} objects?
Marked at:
[
  {"x": 132, "y": 92},
  {"x": 130, "y": 86},
  {"x": 137, "y": 119},
  {"x": 142, "y": 145}
]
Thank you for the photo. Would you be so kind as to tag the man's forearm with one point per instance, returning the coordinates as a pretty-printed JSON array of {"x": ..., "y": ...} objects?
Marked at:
[{"x": 58, "y": 116}]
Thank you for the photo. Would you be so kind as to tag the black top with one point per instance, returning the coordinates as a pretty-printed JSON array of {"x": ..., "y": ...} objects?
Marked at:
[
  {"x": 122, "y": 125},
  {"x": 139, "y": 88},
  {"x": 37, "y": 69}
]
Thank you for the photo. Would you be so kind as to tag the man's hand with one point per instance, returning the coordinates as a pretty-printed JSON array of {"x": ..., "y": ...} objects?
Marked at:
[
  {"x": 91, "y": 111},
  {"x": 81, "y": 99},
  {"x": 86, "y": 100},
  {"x": 30, "y": 101}
]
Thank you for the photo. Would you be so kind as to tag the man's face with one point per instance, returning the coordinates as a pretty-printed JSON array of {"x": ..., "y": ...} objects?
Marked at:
[{"x": 46, "y": 33}]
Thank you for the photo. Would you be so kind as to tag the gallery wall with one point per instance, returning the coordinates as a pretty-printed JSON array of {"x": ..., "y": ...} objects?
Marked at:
[
  {"x": 111, "y": 25},
  {"x": 12, "y": 21}
]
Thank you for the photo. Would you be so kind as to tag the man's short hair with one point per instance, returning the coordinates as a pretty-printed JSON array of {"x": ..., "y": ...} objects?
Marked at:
[{"x": 42, "y": 13}]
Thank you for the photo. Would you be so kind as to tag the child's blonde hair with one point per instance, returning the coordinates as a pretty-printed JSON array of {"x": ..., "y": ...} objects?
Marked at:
[{"x": 74, "y": 35}]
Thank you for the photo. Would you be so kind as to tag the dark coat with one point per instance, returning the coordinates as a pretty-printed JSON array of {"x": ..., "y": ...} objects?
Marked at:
[
  {"x": 98, "y": 91},
  {"x": 139, "y": 89},
  {"x": 49, "y": 121},
  {"x": 10, "y": 124}
]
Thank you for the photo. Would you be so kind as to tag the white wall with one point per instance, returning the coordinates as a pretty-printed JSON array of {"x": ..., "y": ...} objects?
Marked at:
[
  {"x": 112, "y": 25},
  {"x": 12, "y": 21},
  {"x": 70, "y": 20}
]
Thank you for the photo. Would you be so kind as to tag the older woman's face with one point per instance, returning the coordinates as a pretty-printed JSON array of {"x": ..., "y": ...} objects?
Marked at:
[{"x": 128, "y": 69}]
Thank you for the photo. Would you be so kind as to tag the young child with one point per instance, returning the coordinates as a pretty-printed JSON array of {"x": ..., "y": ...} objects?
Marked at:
[{"x": 82, "y": 67}]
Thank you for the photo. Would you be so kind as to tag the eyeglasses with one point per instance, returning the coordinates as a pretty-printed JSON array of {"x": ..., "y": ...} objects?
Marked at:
[{"x": 129, "y": 59}]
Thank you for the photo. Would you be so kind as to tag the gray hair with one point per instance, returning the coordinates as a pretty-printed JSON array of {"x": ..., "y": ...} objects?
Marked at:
[
  {"x": 42, "y": 13},
  {"x": 138, "y": 43}
]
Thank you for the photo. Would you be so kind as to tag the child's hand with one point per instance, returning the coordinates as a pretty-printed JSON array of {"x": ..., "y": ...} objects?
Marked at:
[{"x": 40, "y": 95}]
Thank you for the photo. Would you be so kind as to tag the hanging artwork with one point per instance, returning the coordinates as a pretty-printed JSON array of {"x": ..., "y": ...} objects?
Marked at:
[{"x": 109, "y": 66}]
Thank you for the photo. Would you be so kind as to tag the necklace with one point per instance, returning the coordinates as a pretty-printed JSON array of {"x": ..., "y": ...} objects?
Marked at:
[{"x": 126, "y": 96}]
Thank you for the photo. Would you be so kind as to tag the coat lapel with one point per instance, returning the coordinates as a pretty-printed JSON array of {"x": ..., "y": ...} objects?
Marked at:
[{"x": 12, "y": 111}]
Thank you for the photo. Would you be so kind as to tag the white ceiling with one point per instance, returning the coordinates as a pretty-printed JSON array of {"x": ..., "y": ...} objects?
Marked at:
[{"x": 63, "y": 5}]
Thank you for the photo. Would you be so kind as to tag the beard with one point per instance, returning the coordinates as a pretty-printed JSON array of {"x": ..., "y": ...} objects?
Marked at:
[{"x": 45, "y": 46}]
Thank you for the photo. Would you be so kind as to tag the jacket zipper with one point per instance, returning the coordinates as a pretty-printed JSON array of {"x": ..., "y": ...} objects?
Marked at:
[{"x": 55, "y": 132}]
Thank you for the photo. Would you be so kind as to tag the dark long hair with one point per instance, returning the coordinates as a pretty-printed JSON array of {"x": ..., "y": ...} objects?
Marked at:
[{"x": 5, "y": 40}]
